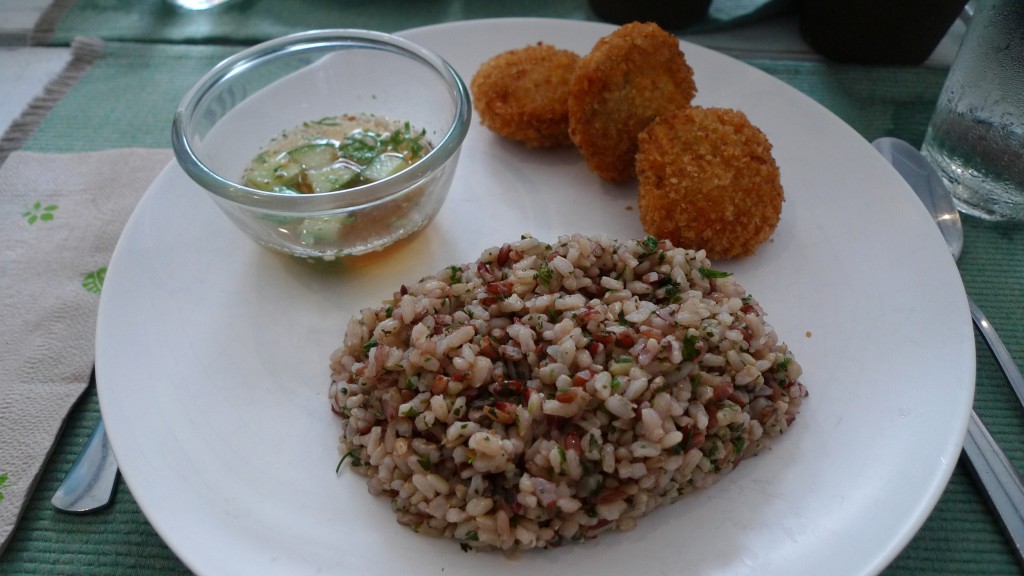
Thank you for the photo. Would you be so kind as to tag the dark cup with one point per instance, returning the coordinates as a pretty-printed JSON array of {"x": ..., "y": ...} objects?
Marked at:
[
  {"x": 669, "y": 14},
  {"x": 877, "y": 31}
]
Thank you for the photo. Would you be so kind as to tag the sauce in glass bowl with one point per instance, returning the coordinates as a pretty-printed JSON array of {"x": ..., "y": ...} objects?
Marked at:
[{"x": 336, "y": 153}]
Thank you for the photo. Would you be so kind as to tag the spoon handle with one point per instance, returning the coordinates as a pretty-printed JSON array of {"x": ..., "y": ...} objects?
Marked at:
[
  {"x": 999, "y": 350},
  {"x": 1003, "y": 487}
]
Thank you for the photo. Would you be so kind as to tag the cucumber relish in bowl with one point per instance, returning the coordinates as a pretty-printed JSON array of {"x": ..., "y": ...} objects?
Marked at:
[
  {"x": 336, "y": 153},
  {"x": 346, "y": 167}
]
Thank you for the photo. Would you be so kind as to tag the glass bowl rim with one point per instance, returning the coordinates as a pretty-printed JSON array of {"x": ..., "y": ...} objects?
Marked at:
[{"x": 350, "y": 198}]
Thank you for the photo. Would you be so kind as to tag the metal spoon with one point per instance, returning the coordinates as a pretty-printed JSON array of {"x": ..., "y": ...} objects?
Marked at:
[
  {"x": 1000, "y": 479},
  {"x": 929, "y": 186},
  {"x": 89, "y": 485}
]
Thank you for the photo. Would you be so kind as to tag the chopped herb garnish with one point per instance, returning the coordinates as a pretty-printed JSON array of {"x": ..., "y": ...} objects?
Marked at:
[
  {"x": 649, "y": 246},
  {"x": 710, "y": 273},
  {"x": 354, "y": 454},
  {"x": 544, "y": 273},
  {"x": 454, "y": 274},
  {"x": 622, "y": 319},
  {"x": 325, "y": 121},
  {"x": 740, "y": 444},
  {"x": 369, "y": 345},
  {"x": 690, "y": 348},
  {"x": 672, "y": 293}
]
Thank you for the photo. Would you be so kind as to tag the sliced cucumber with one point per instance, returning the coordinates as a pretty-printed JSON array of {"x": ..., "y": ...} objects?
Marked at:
[
  {"x": 323, "y": 229},
  {"x": 286, "y": 174},
  {"x": 274, "y": 176},
  {"x": 317, "y": 230},
  {"x": 314, "y": 156},
  {"x": 329, "y": 178},
  {"x": 383, "y": 166},
  {"x": 261, "y": 178}
]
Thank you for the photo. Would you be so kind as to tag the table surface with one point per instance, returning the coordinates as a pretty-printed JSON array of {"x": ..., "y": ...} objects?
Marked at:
[
  {"x": 961, "y": 535},
  {"x": 24, "y": 70}
]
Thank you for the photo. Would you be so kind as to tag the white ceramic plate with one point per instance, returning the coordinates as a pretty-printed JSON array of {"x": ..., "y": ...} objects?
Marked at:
[{"x": 212, "y": 357}]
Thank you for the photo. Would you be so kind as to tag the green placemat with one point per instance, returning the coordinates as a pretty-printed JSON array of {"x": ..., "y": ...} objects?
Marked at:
[
  {"x": 992, "y": 266},
  {"x": 251, "y": 21},
  {"x": 128, "y": 97}
]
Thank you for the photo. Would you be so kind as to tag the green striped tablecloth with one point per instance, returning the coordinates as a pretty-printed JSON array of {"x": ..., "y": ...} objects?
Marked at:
[
  {"x": 250, "y": 21},
  {"x": 127, "y": 98}
]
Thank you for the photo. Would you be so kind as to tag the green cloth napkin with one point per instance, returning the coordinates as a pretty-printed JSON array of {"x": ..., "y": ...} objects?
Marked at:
[
  {"x": 51, "y": 293},
  {"x": 251, "y": 21},
  {"x": 127, "y": 100}
]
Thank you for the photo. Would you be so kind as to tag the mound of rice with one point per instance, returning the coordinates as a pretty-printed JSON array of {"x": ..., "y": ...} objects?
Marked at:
[{"x": 547, "y": 393}]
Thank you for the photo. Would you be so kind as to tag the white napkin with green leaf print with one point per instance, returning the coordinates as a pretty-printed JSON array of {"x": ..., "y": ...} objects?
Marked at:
[{"x": 60, "y": 217}]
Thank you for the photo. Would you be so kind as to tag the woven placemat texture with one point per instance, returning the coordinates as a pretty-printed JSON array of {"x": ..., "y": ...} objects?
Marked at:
[
  {"x": 251, "y": 21},
  {"x": 960, "y": 537},
  {"x": 992, "y": 267}
]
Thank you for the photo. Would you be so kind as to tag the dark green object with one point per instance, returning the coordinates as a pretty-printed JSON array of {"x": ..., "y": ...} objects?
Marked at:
[
  {"x": 669, "y": 14},
  {"x": 877, "y": 31}
]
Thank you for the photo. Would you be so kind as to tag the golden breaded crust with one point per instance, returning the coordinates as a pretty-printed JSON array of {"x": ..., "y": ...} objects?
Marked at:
[
  {"x": 628, "y": 79},
  {"x": 708, "y": 180},
  {"x": 523, "y": 94}
]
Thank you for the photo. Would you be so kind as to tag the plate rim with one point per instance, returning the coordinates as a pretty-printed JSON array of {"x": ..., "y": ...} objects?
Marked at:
[{"x": 913, "y": 524}]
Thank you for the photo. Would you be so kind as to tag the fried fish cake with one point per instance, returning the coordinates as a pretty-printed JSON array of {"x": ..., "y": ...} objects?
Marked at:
[
  {"x": 628, "y": 79},
  {"x": 707, "y": 179},
  {"x": 522, "y": 94}
]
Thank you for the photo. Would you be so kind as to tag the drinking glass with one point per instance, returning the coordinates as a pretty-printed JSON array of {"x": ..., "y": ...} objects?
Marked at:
[
  {"x": 976, "y": 135},
  {"x": 197, "y": 4}
]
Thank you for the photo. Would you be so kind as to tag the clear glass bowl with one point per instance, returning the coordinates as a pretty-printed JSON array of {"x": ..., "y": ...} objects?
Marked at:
[{"x": 248, "y": 99}]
